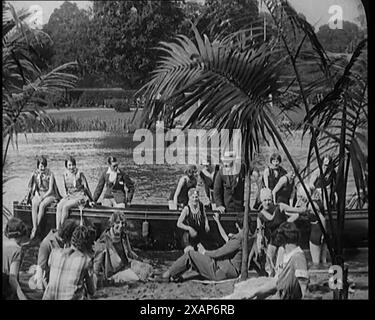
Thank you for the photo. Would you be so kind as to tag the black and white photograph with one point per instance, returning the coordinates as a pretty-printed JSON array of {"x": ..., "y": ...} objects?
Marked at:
[{"x": 192, "y": 150}]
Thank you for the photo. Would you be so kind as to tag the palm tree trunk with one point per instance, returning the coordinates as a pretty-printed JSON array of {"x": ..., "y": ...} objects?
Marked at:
[
  {"x": 245, "y": 252},
  {"x": 6, "y": 151}
]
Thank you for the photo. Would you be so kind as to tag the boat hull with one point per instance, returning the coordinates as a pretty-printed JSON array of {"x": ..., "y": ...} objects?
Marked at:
[{"x": 163, "y": 233}]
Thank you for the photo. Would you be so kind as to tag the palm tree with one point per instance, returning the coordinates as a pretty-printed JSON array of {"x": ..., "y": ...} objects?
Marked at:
[
  {"x": 234, "y": 78},
  {"x": 24, "y": 84}
]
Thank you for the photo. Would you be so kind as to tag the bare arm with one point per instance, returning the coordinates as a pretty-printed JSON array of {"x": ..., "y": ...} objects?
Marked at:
[
  {"x": 266, "y": 173},
  {"x": 206, "y": 224},
  {"x": 86, "y": 185},
  {"x": 180, "y": 221},
  {"x": 220, "y": 227},
  {"x": 99, "y": 188}
]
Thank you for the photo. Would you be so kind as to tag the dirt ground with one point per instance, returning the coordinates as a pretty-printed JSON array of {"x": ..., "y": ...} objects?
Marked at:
[{"x": 318, "y": 287}]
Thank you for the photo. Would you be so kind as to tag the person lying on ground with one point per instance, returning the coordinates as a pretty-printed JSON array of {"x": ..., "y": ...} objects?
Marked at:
[
  {"x": 71, "y": 275},
  {"x": 220, "y": 264},
  {"x": 193, "y": 221},
  {"x": 14, "y": 235}
]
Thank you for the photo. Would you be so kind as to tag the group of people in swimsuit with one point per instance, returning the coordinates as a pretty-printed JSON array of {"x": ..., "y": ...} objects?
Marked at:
[{"x": 71, "y": 263}]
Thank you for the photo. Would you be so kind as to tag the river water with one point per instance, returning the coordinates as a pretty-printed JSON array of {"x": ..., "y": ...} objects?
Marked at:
[{"x": 91, "y": 150}]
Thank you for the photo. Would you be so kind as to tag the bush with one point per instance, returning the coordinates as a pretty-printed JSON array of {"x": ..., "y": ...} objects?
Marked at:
[{"x": 120, "y": 105}]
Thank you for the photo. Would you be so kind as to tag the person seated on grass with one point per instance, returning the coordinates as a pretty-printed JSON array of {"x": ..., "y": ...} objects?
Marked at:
[
  {"x": 54, "y": 239},
  {"x": 193, "y": 221},
  {"x": 291, "y": 279},
  {"x": 220, "y": 264},
  {"x": 113, "y": 252},
  {"x": 14, "y": 234},
  {"x": 71, "y": 275}
]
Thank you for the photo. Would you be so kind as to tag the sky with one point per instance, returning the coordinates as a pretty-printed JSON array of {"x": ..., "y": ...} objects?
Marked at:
[{"x": 316, "y": 11}]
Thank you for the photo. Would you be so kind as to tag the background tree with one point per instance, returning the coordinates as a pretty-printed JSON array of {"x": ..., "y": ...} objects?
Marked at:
[
  {"x": 338, "y": 40},
  {"x": 126, "y": 33}
]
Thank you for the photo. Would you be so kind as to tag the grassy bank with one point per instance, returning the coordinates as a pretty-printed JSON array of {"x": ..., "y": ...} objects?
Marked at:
[{"x": 84, "y": 120}]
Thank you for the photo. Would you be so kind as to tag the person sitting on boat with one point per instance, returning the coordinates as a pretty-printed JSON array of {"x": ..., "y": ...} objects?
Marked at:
[
  {"x": 193, "y": 221},
  {"x": 71, "y": 275},
  {"x": 207, "y": 175},
  {"x": 285, "y": 189},
  {"x": 77, "y": 191},
  {"x": 13, "y": 253},
  {"x": 113, "y": 252},
  {"x": 270, "y": 217},
  {"x": 115, "y": 180},
  {"x": 179, "y": 196},
  {"x": 54, "y": 239},
  {"x": 291, "y": 279},
  {"x": 220, "y": 264},
  {"x": 328, "y": 181},
  {"x": 273, "y": 172},
  {"x": 229, "y": 184},
  {"x": 42, "y": 191}
]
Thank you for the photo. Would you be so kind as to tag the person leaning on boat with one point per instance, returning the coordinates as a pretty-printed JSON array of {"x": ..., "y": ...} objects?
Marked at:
[
  {"x": 115, "y": 180},
  {"x": 179, "y": 195},
  {"x": 229, "y": 184},
  {"x": 193, "y": 221},
  {"x": 42, "y": 191},
  {"x": 77, "y": 191},
  {"x": 285, "y": 189}
]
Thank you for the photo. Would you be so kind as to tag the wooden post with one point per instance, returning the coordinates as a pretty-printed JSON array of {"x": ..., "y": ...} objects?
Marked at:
[{"x": 245, "y": 254}]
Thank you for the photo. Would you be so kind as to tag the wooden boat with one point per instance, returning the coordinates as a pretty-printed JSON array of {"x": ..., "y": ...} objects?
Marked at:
[{"x": 163, "y": 234}]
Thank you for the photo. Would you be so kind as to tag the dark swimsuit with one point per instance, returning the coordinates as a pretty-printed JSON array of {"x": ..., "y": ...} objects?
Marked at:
[
  {"x": 271, "y": 226},
  {"x": 183, "y": 197},
  {"x": 197, "y": 223}
]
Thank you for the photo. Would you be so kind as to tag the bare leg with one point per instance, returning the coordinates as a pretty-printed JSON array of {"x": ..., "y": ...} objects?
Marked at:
[
  {"x": 69, "y": 203},
  {"x": 59, "y": 212},
  {"x": 271, "y": 256},
  {"x": 34, "y": 214},
  {"x": 43, "y": 205},
  {"x": 324, "y": 252},
  {"x": 315, "y": 253}
]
